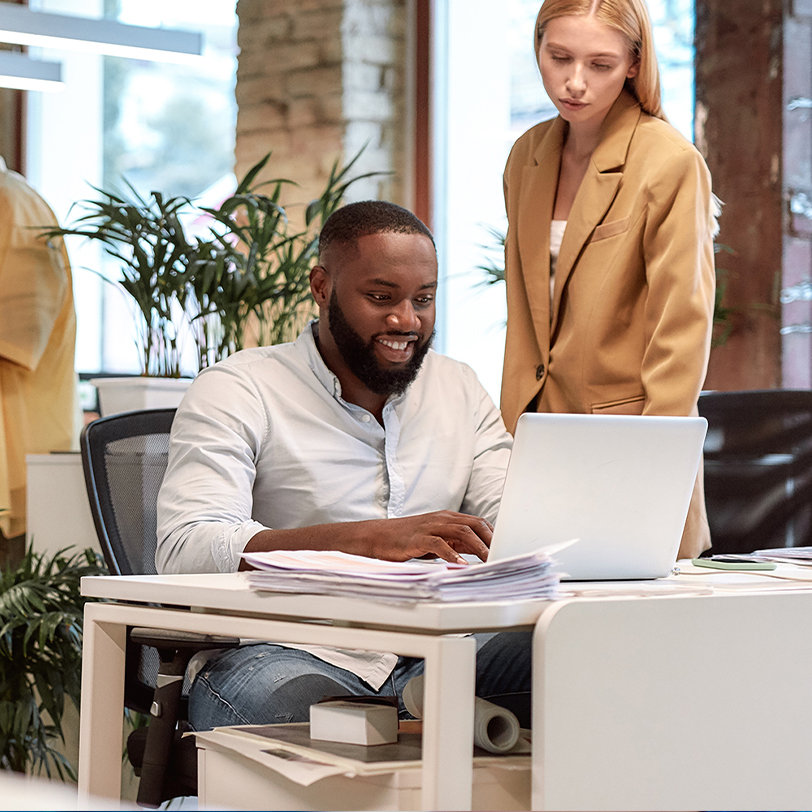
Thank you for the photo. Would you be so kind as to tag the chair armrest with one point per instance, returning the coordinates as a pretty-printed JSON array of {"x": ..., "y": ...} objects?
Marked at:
[
  {"x": 168, "y": 639},
  {"x": 175, "y": 649}
]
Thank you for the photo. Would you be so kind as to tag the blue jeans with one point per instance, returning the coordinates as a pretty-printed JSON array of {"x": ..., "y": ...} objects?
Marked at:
[{"x": 264, "y": 683}]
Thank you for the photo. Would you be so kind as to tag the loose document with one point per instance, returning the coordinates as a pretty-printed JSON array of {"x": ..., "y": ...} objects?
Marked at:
[
  {"x": 797, "y": 556},
  {"x": 288, "y": 749},
  {"x": 793, "y": 570},
  {"x": 800, "y": 556},
  {"x": 333, "y": 573}
]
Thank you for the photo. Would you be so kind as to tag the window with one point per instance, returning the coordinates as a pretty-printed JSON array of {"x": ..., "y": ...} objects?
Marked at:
[
  {"x": 162, "y": 126},
  {"x": 488, "y": 93}
]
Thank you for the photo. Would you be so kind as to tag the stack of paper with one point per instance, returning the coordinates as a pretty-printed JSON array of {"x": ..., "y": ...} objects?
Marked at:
[
  {"x": 334, "y": 573},
  {"x": 792, "y": 555}
]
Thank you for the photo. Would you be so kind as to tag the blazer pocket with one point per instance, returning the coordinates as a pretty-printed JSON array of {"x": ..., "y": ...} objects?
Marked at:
[
  {"x": 605, "y": 230},
  {"x": 625, "y": 406}
]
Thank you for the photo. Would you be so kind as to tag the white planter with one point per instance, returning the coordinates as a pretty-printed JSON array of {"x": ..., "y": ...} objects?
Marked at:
[{"x": 128, "y": 394}]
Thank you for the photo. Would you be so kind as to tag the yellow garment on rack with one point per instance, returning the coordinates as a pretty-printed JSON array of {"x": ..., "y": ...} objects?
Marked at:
[{"x": 38, "y": 387}]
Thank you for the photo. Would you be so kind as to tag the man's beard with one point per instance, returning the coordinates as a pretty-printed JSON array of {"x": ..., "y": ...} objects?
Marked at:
[{"x": 360, "y": 356}]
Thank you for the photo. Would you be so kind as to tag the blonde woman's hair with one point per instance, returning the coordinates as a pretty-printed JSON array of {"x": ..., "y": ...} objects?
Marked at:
[{"x": 631, "y": 20}]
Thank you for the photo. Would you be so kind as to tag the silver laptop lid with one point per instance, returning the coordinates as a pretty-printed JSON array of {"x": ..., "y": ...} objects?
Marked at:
[{"x": 620, "y": 484}]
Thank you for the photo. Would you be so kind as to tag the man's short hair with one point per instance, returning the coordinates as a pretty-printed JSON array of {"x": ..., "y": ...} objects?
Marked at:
[{"x": 355, "y": 220}]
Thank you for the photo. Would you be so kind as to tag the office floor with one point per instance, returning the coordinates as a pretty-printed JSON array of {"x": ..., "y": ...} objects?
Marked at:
[{"x": 25, "y": 793}]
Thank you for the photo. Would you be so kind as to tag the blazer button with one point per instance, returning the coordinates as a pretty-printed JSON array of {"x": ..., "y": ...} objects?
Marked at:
[{"x": 539, "y": 372}]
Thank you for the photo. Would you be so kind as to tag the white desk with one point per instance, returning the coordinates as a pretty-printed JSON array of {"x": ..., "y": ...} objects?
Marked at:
[
  {"x": 672, "y": 702},
  {"x": 663, "y": 702},
  {"x": 222, "y": 604}
]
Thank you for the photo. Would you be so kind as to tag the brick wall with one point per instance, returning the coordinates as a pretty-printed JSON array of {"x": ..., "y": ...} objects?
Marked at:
[{"x": 316, "y": 81}]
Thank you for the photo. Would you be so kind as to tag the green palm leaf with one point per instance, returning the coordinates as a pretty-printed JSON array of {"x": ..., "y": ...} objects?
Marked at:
[{"x": 41, "y": 610}]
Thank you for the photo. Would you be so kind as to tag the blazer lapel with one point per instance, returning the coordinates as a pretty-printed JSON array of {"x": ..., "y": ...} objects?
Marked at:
[
  {"x": 597, "y": 191},
  {"x": 537, "y": 197}
]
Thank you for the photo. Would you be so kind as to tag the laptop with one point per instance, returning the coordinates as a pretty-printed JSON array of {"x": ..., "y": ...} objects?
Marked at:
[{"x": 619, "y": 484}]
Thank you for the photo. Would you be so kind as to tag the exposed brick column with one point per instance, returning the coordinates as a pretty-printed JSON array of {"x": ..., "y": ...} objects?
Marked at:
[
  {"x": 316, "y": 81},
  {"x": 739, "y": 123}
]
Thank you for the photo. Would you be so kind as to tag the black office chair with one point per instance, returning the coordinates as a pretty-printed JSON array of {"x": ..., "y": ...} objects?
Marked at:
[
  {"x": 758, "y": 469},
  {"x": 124, "y": 458}
]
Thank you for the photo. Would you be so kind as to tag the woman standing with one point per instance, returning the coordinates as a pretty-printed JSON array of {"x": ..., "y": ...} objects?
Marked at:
[{"x": 609, "y": 252}]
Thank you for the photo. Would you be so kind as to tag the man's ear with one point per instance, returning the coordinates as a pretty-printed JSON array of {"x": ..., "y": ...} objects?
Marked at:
[{"x": 320, "y": 285}]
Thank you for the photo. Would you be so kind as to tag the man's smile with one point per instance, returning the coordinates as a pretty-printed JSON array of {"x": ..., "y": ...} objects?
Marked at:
[{"x": 397, "y": 349}]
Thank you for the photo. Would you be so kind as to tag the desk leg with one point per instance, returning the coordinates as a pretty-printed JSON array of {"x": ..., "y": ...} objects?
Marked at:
[
  {"x": 102, "y": 715},
  {"x": 448, "y": 723}
]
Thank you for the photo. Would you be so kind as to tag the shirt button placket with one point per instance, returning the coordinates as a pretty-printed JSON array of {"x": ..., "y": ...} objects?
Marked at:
[{"x": 396, "y": 483}]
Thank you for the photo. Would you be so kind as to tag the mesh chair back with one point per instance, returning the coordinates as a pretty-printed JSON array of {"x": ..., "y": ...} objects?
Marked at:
[
  {"x": 124, "y": 458},
  {"x": 758, "y": 468}
]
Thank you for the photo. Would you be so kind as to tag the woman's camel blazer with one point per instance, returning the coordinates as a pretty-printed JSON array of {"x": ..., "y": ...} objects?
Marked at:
[{"x": 629, "y": 326}]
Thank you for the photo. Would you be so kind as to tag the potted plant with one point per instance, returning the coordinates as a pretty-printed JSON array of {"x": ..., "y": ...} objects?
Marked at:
[
  {"x": 41, "y": 609},
  {"x": 148, "y": 238},
  {"x": 245, "y": 280},
  {"x": 250, "y": 280}
]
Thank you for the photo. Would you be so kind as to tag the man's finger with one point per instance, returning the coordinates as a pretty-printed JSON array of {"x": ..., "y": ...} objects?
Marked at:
[
  {"x": 464, "y": 539},
  {"x": 441, "y": 549}
]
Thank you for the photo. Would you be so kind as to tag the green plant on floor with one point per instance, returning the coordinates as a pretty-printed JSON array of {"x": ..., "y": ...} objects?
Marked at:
[
  {"x": 41, "y": 611},
  {"x": 250, "y": 271}
]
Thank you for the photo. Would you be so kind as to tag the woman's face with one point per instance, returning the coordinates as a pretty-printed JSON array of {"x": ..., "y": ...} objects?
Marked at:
[{"x": 584, "y": 64}]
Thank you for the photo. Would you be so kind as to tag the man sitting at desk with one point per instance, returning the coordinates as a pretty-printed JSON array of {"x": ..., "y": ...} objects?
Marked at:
[{"x": 356, "y": 437}]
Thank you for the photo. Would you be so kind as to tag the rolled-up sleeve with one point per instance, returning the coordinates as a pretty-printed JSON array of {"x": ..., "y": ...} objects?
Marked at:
[{"x": 205, "y": 503}]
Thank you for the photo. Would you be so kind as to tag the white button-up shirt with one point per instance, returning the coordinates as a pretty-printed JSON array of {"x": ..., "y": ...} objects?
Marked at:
[{"x": 264, "y": 440}]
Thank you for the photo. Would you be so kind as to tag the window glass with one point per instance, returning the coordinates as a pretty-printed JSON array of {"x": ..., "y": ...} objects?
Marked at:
[
  {"x": 161, "y": 126},
  {"x": 489, "y": 92}
]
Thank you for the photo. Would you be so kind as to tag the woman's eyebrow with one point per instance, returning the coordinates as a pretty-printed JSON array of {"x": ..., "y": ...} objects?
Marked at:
[{"x": 599, "y": 55}]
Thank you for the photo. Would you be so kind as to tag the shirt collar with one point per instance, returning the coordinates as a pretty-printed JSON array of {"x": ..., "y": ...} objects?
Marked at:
[{"x": 306, "y": 344}]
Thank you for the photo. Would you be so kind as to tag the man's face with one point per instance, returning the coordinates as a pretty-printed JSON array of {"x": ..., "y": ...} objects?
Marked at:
[
  {"x": 361, "y": 357},
  {"x": 380, "y": 308}
]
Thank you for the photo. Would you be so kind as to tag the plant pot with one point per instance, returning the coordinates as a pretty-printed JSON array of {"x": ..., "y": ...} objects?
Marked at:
[{"x": 139, "y": 392}]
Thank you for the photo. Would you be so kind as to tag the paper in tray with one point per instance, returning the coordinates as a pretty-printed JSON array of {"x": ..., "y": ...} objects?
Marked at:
[{"x": 408, "y": 747}]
